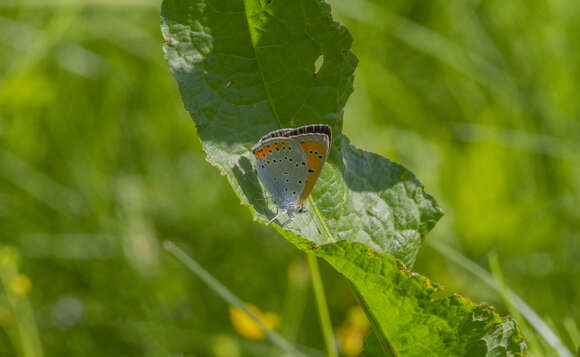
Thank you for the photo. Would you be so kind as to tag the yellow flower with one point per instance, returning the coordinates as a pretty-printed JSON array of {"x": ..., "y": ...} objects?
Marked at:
[
  {"x": 20, "y": 284},
  {"x": 351, "y": 339},
  {"x": 353, "y": 331},
  {"x": 248, "y": 327},
  {"x": 357, "y": 318}
]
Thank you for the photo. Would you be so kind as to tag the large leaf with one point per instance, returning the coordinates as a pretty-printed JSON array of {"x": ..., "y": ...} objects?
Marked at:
[{"x": 245, "y": 68}]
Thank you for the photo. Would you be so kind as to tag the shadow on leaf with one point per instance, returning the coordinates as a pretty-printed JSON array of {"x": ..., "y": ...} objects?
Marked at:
[{"x": 245, "y": 175}]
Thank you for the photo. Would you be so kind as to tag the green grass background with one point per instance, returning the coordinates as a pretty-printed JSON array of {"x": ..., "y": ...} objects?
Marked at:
[{"x": 99, "y": 163}]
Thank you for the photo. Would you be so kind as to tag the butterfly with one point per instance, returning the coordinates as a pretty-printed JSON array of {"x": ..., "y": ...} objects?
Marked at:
[{"x": 289, "y": 162}]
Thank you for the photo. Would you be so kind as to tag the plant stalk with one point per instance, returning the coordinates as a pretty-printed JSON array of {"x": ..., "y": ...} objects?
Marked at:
[{"x": 323, "y": 314}]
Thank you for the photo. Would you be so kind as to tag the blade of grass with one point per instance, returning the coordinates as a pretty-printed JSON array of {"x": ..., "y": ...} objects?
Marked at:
[
  {"x": 526, "y": 141},
  {"x": 296, "y": 297},
  {"x": 26, "y": 335},
  {"x": 39, "y": 185},
  {"x": 573, "y": 331},
  {"x": 496, "y": 272},
  {"x": 421, "y": 38},
  {"x": 323, "y": 313},
  {"x": 228, "y": 296},
  {"x": 531, "y": 316},
  {"x": 322, "y": 306}
]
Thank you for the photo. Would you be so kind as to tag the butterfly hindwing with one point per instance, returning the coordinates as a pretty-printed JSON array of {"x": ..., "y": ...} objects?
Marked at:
[{"x": 282, "y": 167}]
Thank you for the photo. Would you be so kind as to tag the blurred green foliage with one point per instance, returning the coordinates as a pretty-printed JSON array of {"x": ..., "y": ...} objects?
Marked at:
[{"x": 99, "y": 163}]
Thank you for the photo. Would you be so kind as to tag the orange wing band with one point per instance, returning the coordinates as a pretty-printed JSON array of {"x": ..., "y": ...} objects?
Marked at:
[
  {"x": 315, "y": 154},
  {"x": 266, "y": 149}
]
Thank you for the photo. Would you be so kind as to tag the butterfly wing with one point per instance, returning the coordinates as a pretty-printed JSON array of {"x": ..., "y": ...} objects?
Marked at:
[
  {"x": 282, "y": 168},
  {"x": 316, "y": 148}
]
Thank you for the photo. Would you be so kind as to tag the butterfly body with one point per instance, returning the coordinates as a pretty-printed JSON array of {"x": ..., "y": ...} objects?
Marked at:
[{"x": 289, "y": 162}]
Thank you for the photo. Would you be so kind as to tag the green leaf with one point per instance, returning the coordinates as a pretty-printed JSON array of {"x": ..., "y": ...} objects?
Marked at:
[
  {"x": 245, "y": 68},
  {"x": 415, "y": 323}
]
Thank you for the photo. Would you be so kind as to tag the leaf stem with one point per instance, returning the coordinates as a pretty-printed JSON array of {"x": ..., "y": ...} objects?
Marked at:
[
  {"x": 228, "y": 296},
  {"x": 323, "y": 314},
  {"x": 320, "y": 220}
]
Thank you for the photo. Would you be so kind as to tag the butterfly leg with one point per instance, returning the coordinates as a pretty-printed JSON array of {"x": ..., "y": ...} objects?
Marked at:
[
  {"x": 282, "y": 212},
  {"x": 290, "y": 218}
]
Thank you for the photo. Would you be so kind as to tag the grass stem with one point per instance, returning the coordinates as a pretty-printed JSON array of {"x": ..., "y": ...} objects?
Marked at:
[
  {"x": 228, "y": 296},
  {"x": 322, "y": 306},
  {"x": 533, "y": 318}
]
